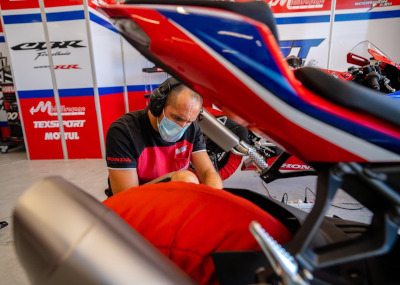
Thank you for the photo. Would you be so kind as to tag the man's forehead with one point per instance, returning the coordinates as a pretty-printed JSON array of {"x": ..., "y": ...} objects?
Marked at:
[{"x": 183, "y": 93}]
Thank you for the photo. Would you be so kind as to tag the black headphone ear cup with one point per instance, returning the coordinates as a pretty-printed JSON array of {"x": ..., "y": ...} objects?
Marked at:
[
  {"x": 157, "y": 102},
  {"x": 159, "y": 96}
]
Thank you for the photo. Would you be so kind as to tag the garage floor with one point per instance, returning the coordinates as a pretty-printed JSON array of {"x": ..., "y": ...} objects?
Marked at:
[{"x": 17, "y": 174}]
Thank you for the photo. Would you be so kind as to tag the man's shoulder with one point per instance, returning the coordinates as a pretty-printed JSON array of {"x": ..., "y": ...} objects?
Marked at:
[
  {"x": 192, "y": 132},
  {"x": 195, "y": 128}
]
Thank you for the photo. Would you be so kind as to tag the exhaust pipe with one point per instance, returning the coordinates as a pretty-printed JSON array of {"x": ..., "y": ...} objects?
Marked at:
[{"x": 227, "y": 140}]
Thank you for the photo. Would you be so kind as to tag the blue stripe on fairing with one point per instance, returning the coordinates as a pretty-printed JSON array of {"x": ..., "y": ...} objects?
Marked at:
[
  {"x": 240, "y": 43},
  {"x": 245, "y": 49}
]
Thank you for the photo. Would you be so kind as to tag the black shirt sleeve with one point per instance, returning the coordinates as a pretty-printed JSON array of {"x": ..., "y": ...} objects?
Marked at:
[
  {"x": 119, "y": 150},
  {"x": 199, "y": 143}
]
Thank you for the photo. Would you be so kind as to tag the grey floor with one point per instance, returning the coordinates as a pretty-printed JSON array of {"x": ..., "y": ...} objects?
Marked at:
[{"x": 17, "y": 174}]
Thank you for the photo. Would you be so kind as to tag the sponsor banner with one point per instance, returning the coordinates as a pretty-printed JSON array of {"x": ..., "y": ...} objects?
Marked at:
[
  {"x": 20, "y": 4},
  {"x": 304, "y": 29},
  {"x": 28, "y": 53},
  {"x": 360, "y": 24},
  {"x": 365, "y": 4},
  {"x": 74, "y": 78},
  {"x": 290, "y": 6},
  {"x": 69, "y": 47},
  {"x": 81, "y": 131},
  {"x": 312, "y": 43},
  {"x": 310, "y": 32},
  {"x": 112, "y": 105},
  {"x": 40, "y": 118},
  {"x": 42, "y": 127}
]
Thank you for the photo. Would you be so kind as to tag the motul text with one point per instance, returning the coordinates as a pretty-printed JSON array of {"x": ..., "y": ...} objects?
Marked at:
[{"x": 57, "y": 135}]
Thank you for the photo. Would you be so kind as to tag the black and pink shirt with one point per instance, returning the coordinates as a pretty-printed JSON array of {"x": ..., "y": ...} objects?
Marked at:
[{"x": 132, "y": 143}]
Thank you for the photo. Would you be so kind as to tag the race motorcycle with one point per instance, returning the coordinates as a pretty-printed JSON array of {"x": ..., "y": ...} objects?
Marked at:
[
  {"x": 228, "y": 52},
  {"x": 373, "y": 68}
]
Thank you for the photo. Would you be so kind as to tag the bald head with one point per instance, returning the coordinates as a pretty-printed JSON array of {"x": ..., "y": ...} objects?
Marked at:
[{"x": 182, "y": 92}]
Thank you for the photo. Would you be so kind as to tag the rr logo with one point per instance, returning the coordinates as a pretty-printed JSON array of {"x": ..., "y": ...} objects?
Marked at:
[
  {"x": 304, "y": 46},
  {"x": 71, "y": 66}
]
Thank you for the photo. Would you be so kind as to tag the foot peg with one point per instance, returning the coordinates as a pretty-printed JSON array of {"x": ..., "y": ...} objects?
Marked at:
[{"x": 284, "y": 265}]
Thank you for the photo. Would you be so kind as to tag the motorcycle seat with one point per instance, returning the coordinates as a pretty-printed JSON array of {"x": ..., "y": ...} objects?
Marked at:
[
  {"x": 256, "y": 10},
  {"x": 350, "y": 95}
]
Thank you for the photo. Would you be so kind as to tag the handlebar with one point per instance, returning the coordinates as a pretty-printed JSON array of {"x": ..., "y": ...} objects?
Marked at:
[{"x": 373, "y": 80}]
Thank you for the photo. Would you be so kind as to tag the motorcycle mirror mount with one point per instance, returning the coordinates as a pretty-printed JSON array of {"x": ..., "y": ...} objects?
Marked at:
[{"x": 357, "y": 60}]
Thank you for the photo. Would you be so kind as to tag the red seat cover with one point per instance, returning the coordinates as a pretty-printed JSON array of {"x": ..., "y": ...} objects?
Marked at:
[{"x": 188, "y": 222}]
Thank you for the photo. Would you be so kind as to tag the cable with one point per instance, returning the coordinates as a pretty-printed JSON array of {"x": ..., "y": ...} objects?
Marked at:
[
  {"x": 349, "y": 209},
  {"x": 339, "y": 207},
  {"x": 305, "y": 194},
  {"x": 269, "y": 194}
]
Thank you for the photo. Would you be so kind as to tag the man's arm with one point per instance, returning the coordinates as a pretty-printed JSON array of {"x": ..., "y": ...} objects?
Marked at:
[
  {"x": 122, "y": 179},
  {"x": 205, "y": 169}
]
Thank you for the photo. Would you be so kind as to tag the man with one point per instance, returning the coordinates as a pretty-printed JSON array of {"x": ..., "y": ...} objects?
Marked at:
[{"x": 158, "y": 143}]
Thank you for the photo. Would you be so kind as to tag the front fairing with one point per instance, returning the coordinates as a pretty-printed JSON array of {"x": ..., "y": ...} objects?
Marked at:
[{"x": 369, "y": 52}]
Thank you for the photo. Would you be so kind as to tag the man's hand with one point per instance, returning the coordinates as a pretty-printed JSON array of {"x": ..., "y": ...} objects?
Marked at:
[
  {"x": 205, "y": 169},
  {"x": 122, "y": 179}
]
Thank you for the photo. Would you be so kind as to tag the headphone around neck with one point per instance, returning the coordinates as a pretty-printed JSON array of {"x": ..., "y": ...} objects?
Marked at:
[{"x": 159, "y": 96}]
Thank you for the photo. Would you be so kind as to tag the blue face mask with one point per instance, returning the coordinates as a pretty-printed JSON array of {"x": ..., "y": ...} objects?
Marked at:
[{"x": 170, "y": 131}]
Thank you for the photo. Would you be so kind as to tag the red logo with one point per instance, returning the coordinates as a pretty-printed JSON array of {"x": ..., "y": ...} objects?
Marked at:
[
  {"x": 71, "y": 66},
  {"x": 119, "y": 159}
]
